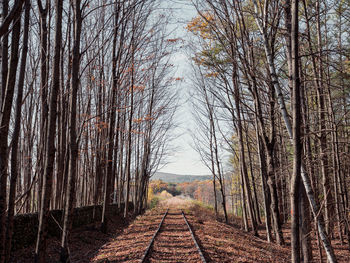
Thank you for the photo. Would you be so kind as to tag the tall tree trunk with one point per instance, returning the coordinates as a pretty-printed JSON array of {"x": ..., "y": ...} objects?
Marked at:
[
  {"x": 217, "y": 162},
  {"x": 306, "y": 180},
  {"x": 128, "y": 156},
  {"x": 297, "y": 144},
  {"x": 16, "y": 133},
  {"x": 265, "y": 189},
  {"x": 255, "y": 196},
  {"x": 131, "y": 114},
  {"x": 213, "y": 169},
  {"x": 40, "y": 250},
  {"x": 327, "y": 190},
  {"x": 242, "y": 160},
  {"x": 4, "y": 130},
  {"x": 5, "y": 54},
  {"x": 274, "y": 196},
  {"x": 3, "y": 158},
  {"x": 111, "y": 132},
  {"x": 43, "y": 14},
  {"x": 73, "y": 147},
  {"x": 305, "y": 226}
]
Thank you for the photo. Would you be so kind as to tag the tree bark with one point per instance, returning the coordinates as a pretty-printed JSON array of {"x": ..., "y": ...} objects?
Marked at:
[
  {"x": 40, "y": 250},
  {"x": 297, "y": 144},
  {"x": 73, "y": 143},
  {"x": 16, "y": 133},
  {"x": 5, "y": 124},
  {"x": 306, "y": 180}
]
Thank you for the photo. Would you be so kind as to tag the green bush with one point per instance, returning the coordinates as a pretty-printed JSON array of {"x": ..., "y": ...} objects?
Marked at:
[{"x": 154, "y": 202}]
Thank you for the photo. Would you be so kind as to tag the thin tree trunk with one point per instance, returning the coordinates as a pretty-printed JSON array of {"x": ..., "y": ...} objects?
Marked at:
[
  {"x": 306, "y": 180},
  {"x": 129, "y": 139},
  {"x": 5, "y": 54},
  {"x": 73, "y": 147},
  {"x": 297, "y": 144},
  {"x": 111, "y": 133},
  {"x": 265, "y": 189},
  {"x": 255, "y": 196},
  {"x": 43, "y": 13},
  {"x": 4, "y": 130},
  {"x": 16, "y": 133},
  {"x": 327, "y": 191},
  {"x": 243, "y": 203},
  {"x": 242, "y": 156},
  {"x": 40, "y": 250}
]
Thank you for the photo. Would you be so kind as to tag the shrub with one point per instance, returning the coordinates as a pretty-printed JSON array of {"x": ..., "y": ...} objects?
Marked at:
[{"x": 154, "y": 202}]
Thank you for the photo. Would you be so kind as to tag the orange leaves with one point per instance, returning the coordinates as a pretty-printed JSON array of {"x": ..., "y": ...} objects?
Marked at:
[
  {"x": 129, "y": 69},
  {"x": 173, "y": 40},
  {"x": 212, "y": 74},
  {"x": 122, "y": 109},
  {"x": 147, "y": 118},
  {"x": 138, "y": 88},
  {"x": 137, "y": 120},
  {"x": 177, "y": 79},
  {"x": 136, "y": 132},
  {"x": 200, "y": 25},
  {"x": 199, "y": 60},
  {"x": 101, "y": 125}
]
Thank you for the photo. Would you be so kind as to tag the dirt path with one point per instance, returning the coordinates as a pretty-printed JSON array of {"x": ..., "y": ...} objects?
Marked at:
[{"x": 174, "y": 242}]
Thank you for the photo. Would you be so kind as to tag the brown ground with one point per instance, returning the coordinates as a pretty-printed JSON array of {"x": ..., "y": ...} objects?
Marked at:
[
  {"x": 228, "y": 243},
  {"x": 84, "y": 244},
  {"x": 225, "y": 243},
  {"x": 219, "y": 242},
  {"x": 131, "y": 244}
]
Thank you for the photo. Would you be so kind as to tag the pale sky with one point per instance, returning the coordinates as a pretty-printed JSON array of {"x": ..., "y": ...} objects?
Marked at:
[{"x": 185, "y": 160}]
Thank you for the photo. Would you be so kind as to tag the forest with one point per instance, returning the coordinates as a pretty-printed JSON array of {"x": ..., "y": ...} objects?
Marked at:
[
  {"x": 276, "y": 74},
  {"x": 89, "y": 97},
  {"x": 87, "y": 103}
]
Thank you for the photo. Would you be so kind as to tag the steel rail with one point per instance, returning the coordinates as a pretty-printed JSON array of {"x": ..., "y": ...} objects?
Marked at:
[
  {"x": 194, "y": 238},
  {"x": 153, "y": 238},
  {"x": 145, "y": 255}
]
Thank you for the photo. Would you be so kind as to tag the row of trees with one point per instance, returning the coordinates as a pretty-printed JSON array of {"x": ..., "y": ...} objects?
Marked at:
[
  {"x": 87, "y": 98},
  {"x": 271, "y": 82}
]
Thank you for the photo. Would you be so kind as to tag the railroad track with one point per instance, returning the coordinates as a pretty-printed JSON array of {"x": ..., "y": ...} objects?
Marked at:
[{"x": 173, "y": 241}]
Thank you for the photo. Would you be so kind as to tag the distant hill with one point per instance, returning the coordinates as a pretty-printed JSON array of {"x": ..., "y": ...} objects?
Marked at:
[{"x": 179, "y": 178}]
